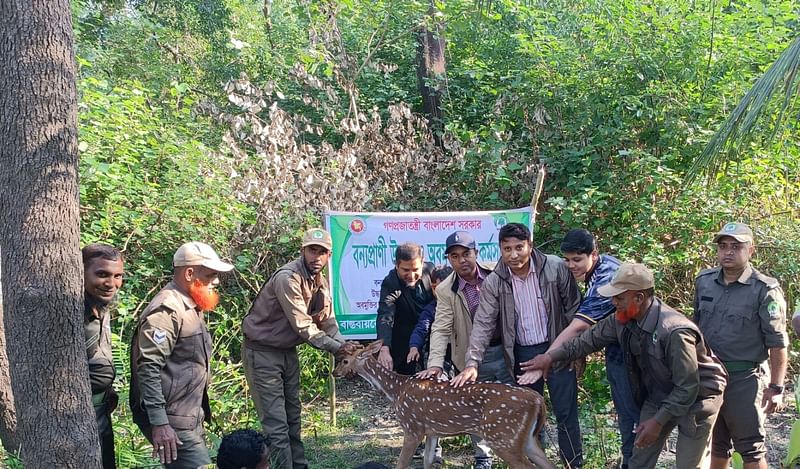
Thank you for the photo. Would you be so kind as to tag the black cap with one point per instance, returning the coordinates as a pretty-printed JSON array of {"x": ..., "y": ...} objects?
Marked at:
[{"x": 460, "y": 238}]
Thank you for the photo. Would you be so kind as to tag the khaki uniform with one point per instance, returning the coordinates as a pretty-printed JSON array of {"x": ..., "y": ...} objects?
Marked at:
[
  {"x": 97, "y": 328},
  {"x": 293, "y": 307},
  {"x": 170, "y": 369},
  {"x": 674, "y": 377},
  {"x": 741, "y": 322}
]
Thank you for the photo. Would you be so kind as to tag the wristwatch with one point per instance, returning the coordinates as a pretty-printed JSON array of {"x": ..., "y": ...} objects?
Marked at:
[{"x": 776, "y": 387}]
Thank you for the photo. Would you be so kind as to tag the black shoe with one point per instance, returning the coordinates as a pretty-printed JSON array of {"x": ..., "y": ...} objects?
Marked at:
[{"x": 483, "y": 463}]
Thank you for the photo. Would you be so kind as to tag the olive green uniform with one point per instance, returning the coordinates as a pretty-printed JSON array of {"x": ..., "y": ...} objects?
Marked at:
[
  {"x": 673, "y": 374},
  {"x": 170, "y": 357},
  {"x": 97, "y": 328},
  {"x": 293, "y": 307},
  {"x": 741, "y": 322}
]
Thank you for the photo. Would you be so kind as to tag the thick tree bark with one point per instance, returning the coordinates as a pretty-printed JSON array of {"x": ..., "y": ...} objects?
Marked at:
[
  {"x": 42, "y": 274},
  {"x": 431, "y": 68},
  {"x": 8, "y": 416}
]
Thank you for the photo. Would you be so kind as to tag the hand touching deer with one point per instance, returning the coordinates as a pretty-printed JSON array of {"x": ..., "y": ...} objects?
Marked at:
[{"x": 509, "y": 418}]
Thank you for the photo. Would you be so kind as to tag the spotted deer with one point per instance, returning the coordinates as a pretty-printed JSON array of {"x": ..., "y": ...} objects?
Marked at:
[{"x": 508, "y": 417}]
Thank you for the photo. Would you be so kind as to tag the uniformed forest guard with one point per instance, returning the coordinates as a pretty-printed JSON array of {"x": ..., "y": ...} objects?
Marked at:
[
  {"x": 742, "y": 314},
  {"x": 675, "y": 378},
  {"x": 170, "y": 356},
  {"x": 103, "y": 268}
]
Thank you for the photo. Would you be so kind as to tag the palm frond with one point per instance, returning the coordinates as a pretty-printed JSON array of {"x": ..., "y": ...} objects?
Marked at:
[{"x": 737, "y": 130}]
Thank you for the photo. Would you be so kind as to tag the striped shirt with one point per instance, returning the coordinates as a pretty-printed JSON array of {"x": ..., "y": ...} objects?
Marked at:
[{"x": 530, "y": 312}]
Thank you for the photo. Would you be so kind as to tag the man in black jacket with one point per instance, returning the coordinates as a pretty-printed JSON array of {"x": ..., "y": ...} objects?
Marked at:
[{"x": 404, "y": 292}]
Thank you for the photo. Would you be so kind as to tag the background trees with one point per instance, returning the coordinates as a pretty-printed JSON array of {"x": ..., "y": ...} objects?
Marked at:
[{"x": 616, "y": 98}]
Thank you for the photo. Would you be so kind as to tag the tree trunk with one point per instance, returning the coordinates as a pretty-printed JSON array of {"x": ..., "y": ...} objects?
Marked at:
[
  {"x": 431, "y": 68},
  {"x": 39, "y": 236},
  {"x": 8, "y": 416}
]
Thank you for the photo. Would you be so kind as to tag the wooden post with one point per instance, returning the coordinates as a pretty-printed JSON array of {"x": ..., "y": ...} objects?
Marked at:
[{"x": 332, "y": 382}]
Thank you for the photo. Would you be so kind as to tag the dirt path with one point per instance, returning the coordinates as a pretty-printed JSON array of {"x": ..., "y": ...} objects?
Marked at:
[{"x": 371, "y": 433}]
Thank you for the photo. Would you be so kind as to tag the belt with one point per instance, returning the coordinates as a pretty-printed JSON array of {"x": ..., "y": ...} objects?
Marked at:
[
  {"x": 739, "y": 366},
  {"x": 495, "y": 342},
  {"x": 99, "y": 398}
]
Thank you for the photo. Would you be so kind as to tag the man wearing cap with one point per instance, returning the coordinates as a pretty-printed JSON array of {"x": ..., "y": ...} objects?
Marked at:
[
  {"x": 170, "y": 359},
  {"x": 530, "y": 297},
  {"x": 457, "y": 300},
  {"x": 742, "y": 314},
  {"x": 404, "y": 293},
  {"x": 103, "y": 269},
  {"x": 292, "y": 308},
  {"x": 674, "y": 376}
]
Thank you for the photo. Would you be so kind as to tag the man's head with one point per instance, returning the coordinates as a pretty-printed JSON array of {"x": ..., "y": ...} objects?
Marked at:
[
  {"x": 316, "y": 249},
  {"x": 103, "y": 269},
  {"x": 579, "y": 249},
  {"x": 462, "y": 253},
  {"x": 735, "y": 246},
  {"x": 196, "y": 269},
  {"x": 243, "y": 449},
  {"x": 631, "y": 291},
  {"x": 515, "y": 246},
  {"x": 408, "y": 263},
  {"x": 440, "y": 273}
]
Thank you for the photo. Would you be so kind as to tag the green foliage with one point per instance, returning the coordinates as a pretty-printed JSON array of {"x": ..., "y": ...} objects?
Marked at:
[{"x": 616, "y": 100}]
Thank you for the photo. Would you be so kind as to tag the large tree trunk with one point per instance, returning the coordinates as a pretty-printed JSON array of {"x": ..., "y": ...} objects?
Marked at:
[
  {"x": 42, "y": 274},
  {"x": 431, "y": 68},
  {"x": 8, "y": 416}
]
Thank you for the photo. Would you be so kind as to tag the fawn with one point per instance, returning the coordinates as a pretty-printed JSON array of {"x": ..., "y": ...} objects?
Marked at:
[{"x": 508, "y": 417}]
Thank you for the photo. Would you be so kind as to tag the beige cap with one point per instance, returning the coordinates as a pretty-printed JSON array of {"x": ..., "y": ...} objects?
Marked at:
[
  {"x": 197, "y": 253},
  {"x": 738, "y": 231},
  {"x": 317, "y": 237},
  {"x": 635, "y": 277}
]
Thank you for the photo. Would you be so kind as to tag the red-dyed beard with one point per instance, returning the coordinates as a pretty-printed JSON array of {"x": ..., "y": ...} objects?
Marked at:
[
  {"x": 206, "y": 299},
  {"x": 625, "y": 315}
]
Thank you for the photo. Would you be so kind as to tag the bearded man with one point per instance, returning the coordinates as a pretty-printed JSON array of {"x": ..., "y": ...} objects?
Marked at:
[
  {"x": 675, "y": 378},
  {"x": 170, "y": 357}
]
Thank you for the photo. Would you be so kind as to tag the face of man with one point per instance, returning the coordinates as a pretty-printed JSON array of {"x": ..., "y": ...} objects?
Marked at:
[
  {"x": 580, "y": 264},
  {"x": 202, "y": 286},
  {"x": 516, "y": 254},
  {"x": 464, "y": 261},
  {"x": 102, "y": 279},
  {"x": 410, "y": 271},
  {"x": 629, "y": 305},
  {"x": 732, "y": 254},
  {"x": 315, "y": 258}
]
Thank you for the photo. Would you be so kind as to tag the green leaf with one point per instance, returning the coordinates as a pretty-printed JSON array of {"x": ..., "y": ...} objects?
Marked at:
[{"x": 793, "y": 452}]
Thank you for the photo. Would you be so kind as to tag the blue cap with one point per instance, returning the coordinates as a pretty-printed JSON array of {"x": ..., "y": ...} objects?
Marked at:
[{"x": 460, "y": 238}]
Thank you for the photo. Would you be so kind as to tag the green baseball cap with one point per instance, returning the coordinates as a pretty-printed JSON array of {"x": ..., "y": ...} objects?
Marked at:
[{"x": 738, "y": 231}]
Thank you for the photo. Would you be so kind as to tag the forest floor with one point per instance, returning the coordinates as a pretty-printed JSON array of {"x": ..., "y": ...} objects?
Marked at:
[{"x": 368, "y": 431}]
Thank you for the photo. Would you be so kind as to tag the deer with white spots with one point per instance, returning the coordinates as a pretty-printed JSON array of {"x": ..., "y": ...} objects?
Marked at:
[{"x": 508, "y": 417}]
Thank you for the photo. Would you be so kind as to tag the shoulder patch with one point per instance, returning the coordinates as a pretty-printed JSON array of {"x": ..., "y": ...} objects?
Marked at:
[
  {"x": 774, "y": 310},
  {"x": 159, "y": 336}
]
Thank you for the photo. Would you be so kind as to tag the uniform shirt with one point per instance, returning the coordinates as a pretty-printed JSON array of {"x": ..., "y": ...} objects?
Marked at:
[
  {"x": 531, "y": 312},
  {"x": 97, "y": 330},
  {"x": 594, "y": 306},
  {"x": 681, "y": 358},
  {"x": 743, "y": 319}
]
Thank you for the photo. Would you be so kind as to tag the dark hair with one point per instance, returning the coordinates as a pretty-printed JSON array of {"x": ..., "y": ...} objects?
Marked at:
[
  {"x": 407, "y": 252},
  {"x": 440, "y": 272},
  {"x": 515, "y": 230},
  {"x": 100, "y": 251},
  {"x": 580, "y": 241},
  {"x": 242, "y": 448}
]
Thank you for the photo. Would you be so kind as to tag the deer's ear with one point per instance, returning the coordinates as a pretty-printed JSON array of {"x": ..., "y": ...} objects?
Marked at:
[{"x": 373, "y": 348}]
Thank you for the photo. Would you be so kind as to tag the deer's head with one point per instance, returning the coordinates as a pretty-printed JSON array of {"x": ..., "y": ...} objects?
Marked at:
[{"x": 351, "y": 363}]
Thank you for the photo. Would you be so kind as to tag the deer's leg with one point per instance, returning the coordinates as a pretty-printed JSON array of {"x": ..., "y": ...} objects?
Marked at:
[
  {"x": 534, "y": 452},
  {"x": 515, "y": 459},
  {"x": 410, "y": 443},
  {"x": 431, "y": 442}
]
